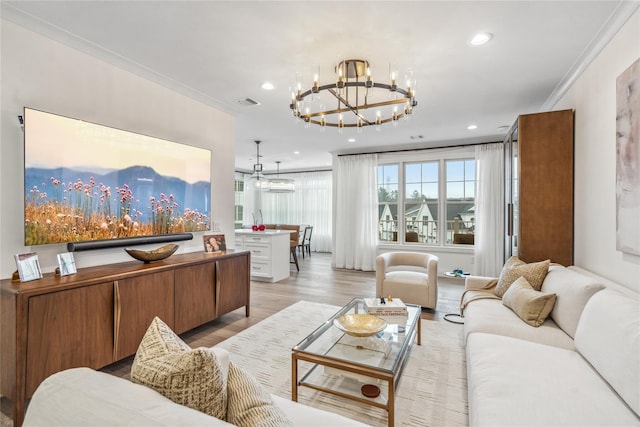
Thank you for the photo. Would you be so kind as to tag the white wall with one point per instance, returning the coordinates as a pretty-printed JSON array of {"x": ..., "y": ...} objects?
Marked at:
[
  {"x": 42, "y": 74},
  {"x": 593, "y": 97}
]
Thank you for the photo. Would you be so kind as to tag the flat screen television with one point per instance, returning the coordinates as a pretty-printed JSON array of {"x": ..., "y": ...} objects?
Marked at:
[{"x": 86, "y": 182}]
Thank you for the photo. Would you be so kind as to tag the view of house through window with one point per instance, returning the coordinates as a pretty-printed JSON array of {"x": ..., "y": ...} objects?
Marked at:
[
  {"x": 421, "y": 202},
  {"x": 438, "y": 199},
  {"x": 388, "y": 202},
  {"x": 461, "y": 191}
]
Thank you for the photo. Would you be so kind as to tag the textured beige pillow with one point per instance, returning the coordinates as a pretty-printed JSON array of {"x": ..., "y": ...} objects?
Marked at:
[
  {"x": 189, "y": 377},
  {"x": 515, "y": 268},
  {"x": 530, "y": 305},
  {"x": 249, "y": 404}
]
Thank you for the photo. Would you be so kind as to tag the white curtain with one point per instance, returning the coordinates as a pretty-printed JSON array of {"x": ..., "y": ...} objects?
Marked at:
[
  {"x": 489, "y": 234},
  {"x": 355, "y": 230},
  {"x": 310, "y": 204}
]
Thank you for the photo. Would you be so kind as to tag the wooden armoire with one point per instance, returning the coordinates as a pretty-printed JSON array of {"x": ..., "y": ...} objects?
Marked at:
[{"x": 539, "y": 188}]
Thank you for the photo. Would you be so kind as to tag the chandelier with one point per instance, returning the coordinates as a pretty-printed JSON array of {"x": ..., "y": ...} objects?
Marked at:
[
  {"x": 273, "y": 185},
  {"x": 354, "y": 99},
  {"x": 280, "y": 185},
  {"x": 257, "y": 179}
]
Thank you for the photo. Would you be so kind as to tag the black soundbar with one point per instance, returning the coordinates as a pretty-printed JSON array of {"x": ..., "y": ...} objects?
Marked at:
[{"x": 127, "y": 241}]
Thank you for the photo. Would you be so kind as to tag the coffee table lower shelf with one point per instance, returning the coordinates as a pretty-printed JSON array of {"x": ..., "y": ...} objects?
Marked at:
[{"x": 346, "y": 379}]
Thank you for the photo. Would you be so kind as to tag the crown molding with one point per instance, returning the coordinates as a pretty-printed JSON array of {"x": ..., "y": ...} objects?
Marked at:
[{"x": 616, "y": 21}]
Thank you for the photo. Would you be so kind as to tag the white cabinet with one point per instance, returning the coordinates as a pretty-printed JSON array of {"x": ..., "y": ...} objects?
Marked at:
[{"x": 270, "y": 253}]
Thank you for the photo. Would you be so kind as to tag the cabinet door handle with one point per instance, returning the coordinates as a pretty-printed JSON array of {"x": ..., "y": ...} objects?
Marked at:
[
  {"x": 217, "y": 290},
  {"x": 116, "y": 318}
]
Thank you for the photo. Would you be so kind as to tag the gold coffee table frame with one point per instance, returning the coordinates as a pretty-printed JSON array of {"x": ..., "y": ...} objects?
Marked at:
[{"x": 340, "y": 373}]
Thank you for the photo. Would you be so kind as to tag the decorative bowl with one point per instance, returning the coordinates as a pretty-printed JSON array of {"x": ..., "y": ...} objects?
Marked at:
[
  {"x": 360, "y": 325},
  {"x": 154, "y": 255}
]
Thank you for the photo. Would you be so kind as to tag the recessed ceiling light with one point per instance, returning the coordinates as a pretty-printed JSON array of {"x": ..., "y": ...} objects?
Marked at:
[
  {"x": 472, "y": 127},
  {"x": 296, "y": 152},
  {"x": 351, "y": 140},
  {"x": 480, "y": 39},
  {"x": 267, "y": 86}
]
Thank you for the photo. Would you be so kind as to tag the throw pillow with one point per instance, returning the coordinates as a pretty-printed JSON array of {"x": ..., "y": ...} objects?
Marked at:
[
  {"x": 249, "y": 404},
  {"x": 515, "y": 268},
  {"x": 189, "y": 377},
  {"x": 530, "y": 305}
]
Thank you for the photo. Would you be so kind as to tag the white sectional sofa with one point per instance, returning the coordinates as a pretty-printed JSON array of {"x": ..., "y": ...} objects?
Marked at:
[
  {"x": 581, "y": 367},
  {"x": 84, "y": 397}
]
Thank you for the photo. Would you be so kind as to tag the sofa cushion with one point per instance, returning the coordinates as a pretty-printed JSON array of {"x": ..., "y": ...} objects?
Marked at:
[
  {"x": 514, "y": 382},
  {"x": 189, "y": 377},
  {"x": 573, "y": 290},
  {"x": 491, "y": 316},
  {"x": 249, "y": 404},
  {"x": 530, "y": 305},
  {"x": 608, "y": 336},
  {"x": 514, "y": 268}
]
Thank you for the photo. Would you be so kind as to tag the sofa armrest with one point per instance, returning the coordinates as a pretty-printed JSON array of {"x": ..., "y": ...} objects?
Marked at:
[
  {"x": 478, "y": 282},
  {"x": 84, "y": 397}
]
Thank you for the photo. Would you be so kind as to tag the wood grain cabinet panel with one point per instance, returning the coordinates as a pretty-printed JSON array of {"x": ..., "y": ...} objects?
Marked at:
[
  {"x": 138, "y": 300},
  {"x": 232, "y": 285},
  {"x": 69, "y": 329},
  {"x": 194, "y": 296}
]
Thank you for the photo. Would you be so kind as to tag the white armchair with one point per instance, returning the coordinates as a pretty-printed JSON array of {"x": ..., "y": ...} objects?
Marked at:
[{"x": 410, "y": 276}]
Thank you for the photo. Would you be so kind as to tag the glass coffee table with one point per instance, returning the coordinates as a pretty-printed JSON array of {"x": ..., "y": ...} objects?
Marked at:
[{"x": 342, "y": 364}]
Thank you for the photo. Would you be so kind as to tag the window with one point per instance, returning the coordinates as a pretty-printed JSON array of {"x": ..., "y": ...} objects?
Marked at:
[
  {"x": 239, "y": 201},
  {"x": 421, "y": 201},
  {"x": 388, "y": 203},
  {"x": 438, "y": 200},
  {"x": 461, "y": 190}
]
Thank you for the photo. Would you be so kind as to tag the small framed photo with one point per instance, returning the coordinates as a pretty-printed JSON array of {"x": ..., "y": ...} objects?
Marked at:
[
  {"x": 214, "y": 243},
  {"x": 28, "y": 266},
  {"x": 66, "y": 264}
]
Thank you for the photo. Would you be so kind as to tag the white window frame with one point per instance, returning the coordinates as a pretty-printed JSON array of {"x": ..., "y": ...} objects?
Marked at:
[{"x": 429, "y": 155}]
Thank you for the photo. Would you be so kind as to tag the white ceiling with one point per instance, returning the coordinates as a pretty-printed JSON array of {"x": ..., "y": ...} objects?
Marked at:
[{"x": 222, "y": 51}]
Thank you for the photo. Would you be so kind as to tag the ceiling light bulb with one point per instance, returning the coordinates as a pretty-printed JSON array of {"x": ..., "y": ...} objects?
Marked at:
[
  {"x": 472, "y": 127},
  {"x": 267, "y": 86},
  {"x": 480, "y": 39}
]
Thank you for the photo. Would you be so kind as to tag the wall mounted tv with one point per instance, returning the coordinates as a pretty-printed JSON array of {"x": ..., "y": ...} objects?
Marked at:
[{"x": 86, "y": 182}]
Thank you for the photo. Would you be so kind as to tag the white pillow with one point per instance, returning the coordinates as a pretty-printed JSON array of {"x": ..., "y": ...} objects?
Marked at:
[{"x": 573, "y": 290}]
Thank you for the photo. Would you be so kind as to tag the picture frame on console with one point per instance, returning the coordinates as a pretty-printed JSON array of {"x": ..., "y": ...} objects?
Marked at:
[
  {"x": 66, "y": 264},
  {"x": 214, "y": 243},
  {"x": 28, "y": 266}
]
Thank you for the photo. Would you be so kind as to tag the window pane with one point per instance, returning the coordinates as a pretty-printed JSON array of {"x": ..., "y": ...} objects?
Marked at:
[
  {"x": 387, "y": 198},
  {"x": 470, "y": 169},
  {"x": 455, "y": 170},
  {"x": 413, "y": 173},
  {"x": 430, "y": 191},
  {"x": 421, "y": 183},
  {"x": 387, "y": 223},
  {"x": 430, "y": 172},
  {"x": 413, "y": 192},
  {"x": 470, "y": 190},
  {"x": 460, "y": 201},
  {"x": 455, "y": 190}
]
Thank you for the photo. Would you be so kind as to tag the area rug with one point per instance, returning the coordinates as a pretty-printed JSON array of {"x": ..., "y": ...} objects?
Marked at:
[{"x": 432, "y": 390}]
